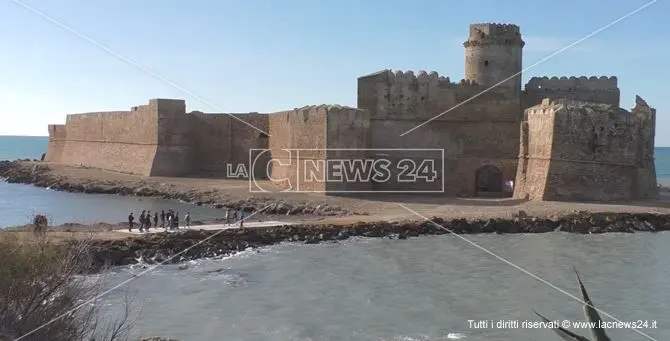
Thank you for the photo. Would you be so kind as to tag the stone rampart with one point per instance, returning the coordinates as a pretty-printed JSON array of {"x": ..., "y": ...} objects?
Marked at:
[
  {"x": 219, "y": 140},
  {"x": 211, "y": 145},
  {"x": 121, "y": 140},
  {"x": 174, "y": 138},
  {"x": 304, "y": 138},
  {"x": 149, "y": 140},
  {"x": 585, "y": 151},
  {"x": 292, "y": 134},
  {"x": 407, "y": 96},
  {"x": 347, "y": 138},
  {"x": 588, "y": 89},
  {"x": 647, "y": 186},
  {"x": 473, "y": 132},
  {"x": 56, "y": 145}
]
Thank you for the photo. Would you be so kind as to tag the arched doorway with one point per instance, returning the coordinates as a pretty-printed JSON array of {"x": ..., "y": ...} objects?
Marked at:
[{"x": 489, "y": 181}]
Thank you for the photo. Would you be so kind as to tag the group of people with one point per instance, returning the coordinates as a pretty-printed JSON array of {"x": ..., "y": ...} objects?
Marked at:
[
  {"x": 169, "y": 220},
  {"x": 237, "y": 215}
]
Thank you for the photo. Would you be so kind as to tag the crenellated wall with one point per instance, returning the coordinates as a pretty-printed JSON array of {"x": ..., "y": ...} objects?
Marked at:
[
  {"x": 493, "y": 56},
  {"x": 474, "y": 132},
  {"x": 586, "y": 151},
  {"x": 587, "y": 89},
  {"x": 571, "y": 142}
]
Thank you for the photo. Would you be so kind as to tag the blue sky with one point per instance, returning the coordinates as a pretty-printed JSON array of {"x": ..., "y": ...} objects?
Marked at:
[{"x": 266, "y": 55}]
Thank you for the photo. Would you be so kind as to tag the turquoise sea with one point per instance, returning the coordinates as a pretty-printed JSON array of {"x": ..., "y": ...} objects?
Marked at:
[
  {"x": 19, "y": 202},
  {"x": 22, "y": 147}
]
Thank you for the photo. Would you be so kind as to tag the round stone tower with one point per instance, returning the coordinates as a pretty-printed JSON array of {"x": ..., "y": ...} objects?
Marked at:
[{"x": 493, "y": 53}]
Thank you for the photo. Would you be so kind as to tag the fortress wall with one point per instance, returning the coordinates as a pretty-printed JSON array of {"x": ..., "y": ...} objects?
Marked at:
[
  {"x": 347, "y": 128},
  {"x": 535, "y": 153},
  {"x": 406, "y": 96},
  {"x": 592, "y": 89},
  {"x": 594, "y": 153},
  {"x": 301, "y": 128},
  {"x": 481, "y": 131},
  {"x": 467, "y": 146},
  {"x": 647, "y": 186},
  {"x": 173, "y": 153},
  {"x": 401, "y": 101},
  {"x": 211, "y": 150},
  {"x": 571, "y": 181},
  {"x": 458, "y": 139},
  {"x": 249, "y": 131},
  {"x": 595, "y": 133},
  {"x": 136, "y": 126},
  {"x": 119, "y": 141},
  {"x": 219, "y": 140},
  {"x": 57, "y": 139},
  {"x": 347, "y": 137}
]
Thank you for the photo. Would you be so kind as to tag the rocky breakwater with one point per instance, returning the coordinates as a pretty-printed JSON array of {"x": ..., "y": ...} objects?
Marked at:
[
  {"x": 41, "y": 175},
  {"x": 194, "y": 244}
]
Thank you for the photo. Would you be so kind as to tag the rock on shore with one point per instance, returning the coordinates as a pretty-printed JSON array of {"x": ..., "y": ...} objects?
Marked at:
[
  {"x": 40, "y": 175},
  {"x": 193, "y": 244}
]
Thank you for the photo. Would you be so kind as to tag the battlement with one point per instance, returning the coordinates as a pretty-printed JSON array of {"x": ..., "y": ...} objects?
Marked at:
[
  {"x": 494, "y": 30},
  {"x": 556, "y": 105},
  {"x": 572, "y": 107},
  {"x": 57, "y": 132},
  {"x": 494, "y": 34},
  {"x": 324, "y": 106},
  {"x": 582, "y": 83},
  {"x": 399, "y": 76}
]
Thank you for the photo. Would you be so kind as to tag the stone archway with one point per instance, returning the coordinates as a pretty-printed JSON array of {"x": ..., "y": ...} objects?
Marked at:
[{"x": 488, "y": 181}]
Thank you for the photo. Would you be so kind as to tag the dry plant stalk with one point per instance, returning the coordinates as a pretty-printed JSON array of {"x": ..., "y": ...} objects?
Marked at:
[{"x": 42, "y": 288}]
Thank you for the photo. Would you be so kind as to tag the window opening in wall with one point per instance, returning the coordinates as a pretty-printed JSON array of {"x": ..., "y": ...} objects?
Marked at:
[{"x": 486, "y": 63}]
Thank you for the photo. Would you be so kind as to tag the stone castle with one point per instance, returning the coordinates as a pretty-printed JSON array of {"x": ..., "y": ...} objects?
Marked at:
[{"x": 556, "y": 139}]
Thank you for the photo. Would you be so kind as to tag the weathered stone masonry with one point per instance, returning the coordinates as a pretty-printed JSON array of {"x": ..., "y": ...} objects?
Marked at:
[
  {"x": 579, "y": 145},
  {"x": 581, "y": 150}
]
